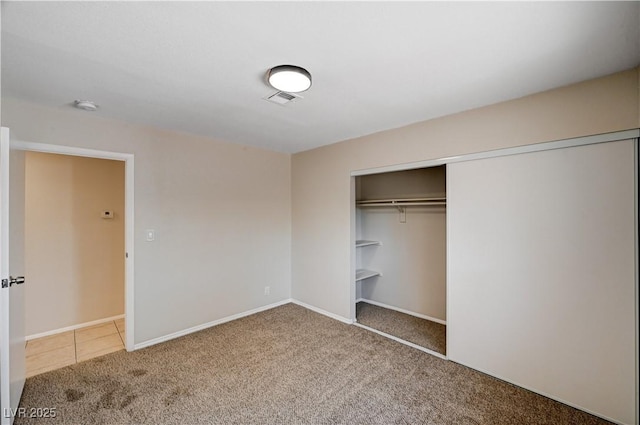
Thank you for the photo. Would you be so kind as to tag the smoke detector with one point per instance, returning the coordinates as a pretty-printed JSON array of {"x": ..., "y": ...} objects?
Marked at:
[{"x": 85, "y": 105}]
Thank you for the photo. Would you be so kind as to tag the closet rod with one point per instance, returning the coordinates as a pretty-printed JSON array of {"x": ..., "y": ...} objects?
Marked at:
[
  {"x": 404, "y": 204},
  {"x": 401, "y": 200}
]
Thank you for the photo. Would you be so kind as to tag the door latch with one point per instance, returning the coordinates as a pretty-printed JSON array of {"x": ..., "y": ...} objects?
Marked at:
[
  {"x": 16, "y": 280},
  {"x": 6, "y": 283}
]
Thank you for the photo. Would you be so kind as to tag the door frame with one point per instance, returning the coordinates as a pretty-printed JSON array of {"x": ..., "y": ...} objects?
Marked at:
[{"x": 128, "y": 159}]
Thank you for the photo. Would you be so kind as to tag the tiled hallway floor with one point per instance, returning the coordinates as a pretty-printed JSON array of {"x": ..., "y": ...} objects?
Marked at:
[{"x": 64, "y": 349}]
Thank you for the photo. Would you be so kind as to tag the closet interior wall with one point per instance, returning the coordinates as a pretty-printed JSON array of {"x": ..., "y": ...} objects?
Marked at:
[{"x": 411, "y": 256}]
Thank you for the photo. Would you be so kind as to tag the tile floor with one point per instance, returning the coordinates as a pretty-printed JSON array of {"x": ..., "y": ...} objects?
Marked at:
[{"x": 64, "y": 349}]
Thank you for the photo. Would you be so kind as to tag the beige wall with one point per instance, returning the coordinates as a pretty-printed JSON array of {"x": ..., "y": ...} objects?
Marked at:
[
  {"x": 221, "y": 212},
  {"x": 74, "y": 258},
  {"x": 321, "y": 184}
]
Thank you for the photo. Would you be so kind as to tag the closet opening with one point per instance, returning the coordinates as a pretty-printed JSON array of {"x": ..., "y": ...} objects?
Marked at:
[{"x": 400, "y": 255}]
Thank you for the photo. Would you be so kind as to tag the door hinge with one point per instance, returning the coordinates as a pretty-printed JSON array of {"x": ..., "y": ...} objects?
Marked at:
[{"x": 5, "y": 283}]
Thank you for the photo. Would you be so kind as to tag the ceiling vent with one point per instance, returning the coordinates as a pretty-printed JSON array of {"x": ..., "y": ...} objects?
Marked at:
[{"x": 282, "y": 98}]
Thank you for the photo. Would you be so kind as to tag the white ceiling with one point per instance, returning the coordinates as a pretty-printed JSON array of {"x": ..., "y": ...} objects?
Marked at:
[{"x": 199, "y": 67}]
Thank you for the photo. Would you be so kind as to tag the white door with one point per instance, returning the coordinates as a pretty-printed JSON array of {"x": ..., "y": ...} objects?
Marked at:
[
  {"x": 12, "y": 313},
  {"x": 542, "y": 273}
]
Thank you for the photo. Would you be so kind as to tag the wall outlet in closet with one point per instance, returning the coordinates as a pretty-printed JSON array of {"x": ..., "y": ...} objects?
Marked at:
[{"x": 267, "y": 290}]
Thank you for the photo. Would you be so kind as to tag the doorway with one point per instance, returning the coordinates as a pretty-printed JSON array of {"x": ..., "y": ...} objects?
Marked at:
[
  {"x": 74, "y": 255},
  {"x": 125, "y": 327}
]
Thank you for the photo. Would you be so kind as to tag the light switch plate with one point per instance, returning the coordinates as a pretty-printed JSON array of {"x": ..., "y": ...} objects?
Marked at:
[{"x": 151, "y": 235}]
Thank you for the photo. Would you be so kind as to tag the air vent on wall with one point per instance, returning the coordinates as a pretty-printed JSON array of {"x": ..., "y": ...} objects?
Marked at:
[{"x": 282, "y": 98}]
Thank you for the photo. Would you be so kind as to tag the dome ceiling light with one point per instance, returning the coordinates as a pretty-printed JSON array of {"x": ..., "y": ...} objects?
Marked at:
[{"x": 289, "y": 78}]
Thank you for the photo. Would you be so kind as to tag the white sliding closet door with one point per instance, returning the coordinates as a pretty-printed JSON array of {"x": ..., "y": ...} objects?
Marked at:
[{"x": 541, "y": 273}]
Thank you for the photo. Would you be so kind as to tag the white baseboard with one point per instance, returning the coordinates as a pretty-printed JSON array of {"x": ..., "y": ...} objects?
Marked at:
[
  {"x": 74, "y": 327},
  {"x": 402, "y": 310},
  {"x": 188, "y": 331},
  {"x": 323, "y": 312},
  {"x": 193, "y": 329}
]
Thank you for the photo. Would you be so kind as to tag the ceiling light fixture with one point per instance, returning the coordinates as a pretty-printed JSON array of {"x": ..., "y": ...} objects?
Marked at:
[
  {"x": 289, "y": 78},
  {"x": 86, "y": 105}
]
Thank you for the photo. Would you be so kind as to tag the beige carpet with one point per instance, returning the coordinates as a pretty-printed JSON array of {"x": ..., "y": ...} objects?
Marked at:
[
  {"x": 422, "y": 332},
  {"x": 287, "y": 365}
]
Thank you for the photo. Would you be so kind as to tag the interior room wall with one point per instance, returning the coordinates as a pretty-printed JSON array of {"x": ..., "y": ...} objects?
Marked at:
[
  {"x": 221, "y": 213},
  {"x": 321, "y": 182},
  {"x": 74, "y": 257}
]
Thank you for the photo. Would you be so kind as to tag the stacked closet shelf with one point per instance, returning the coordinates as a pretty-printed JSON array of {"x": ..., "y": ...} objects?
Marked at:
[{"x": 362, "y": 274}]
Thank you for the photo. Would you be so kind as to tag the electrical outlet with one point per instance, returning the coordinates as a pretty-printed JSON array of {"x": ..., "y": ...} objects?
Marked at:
[{"x": 267, "y": 290}]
